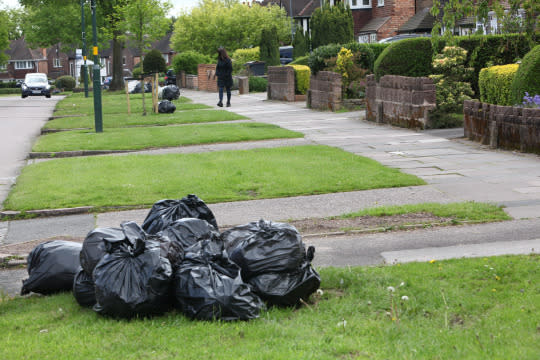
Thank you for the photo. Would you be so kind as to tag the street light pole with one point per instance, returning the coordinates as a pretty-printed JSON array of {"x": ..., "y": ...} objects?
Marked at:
[
  {"x": 292, "y": 27},
  {"x": 98, "y": 118},
  {"x": 85, "y": 69}
]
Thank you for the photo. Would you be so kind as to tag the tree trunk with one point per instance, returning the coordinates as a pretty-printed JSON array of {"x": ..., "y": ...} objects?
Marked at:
[{"x": 117, "y": 82}]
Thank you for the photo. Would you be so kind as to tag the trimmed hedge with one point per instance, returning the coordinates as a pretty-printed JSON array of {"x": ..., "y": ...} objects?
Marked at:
[
  {"x": 8, "y": 84},
  {"x": 317, "y": 61},
  {"x": 302, "y": 73},
  {"x": 495, "y": 83},
  {"x": 65, "y": 82},
  {"x": 257, "y": 84},
  {"x": 527, "y": 77},
  {"x": 188, "y": 61},
  {"x": 7, "y": 91},
  {"x": 242, "y": 56},
  {"x": 409, "y": 57},
  {"x": 377, "y": 50}
]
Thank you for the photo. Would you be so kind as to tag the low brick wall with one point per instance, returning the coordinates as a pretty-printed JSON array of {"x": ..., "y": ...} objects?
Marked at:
[
  {"x": 325, "y": 91},
  {"x": 400, "y": 100},
  {"x": 206, "y": 80},
  {"x": 192, "y": 82},
  {"x": 506, "y": 127},
  {"x": 280, "y": 83}
]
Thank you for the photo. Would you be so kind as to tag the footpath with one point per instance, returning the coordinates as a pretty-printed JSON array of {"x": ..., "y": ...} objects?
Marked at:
[{"x": 455, "y": 169}]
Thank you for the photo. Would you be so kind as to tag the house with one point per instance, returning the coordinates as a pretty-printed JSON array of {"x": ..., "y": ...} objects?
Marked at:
[
  {"x": 301, "y": 11},
  {"x": 23, "y": 60}
]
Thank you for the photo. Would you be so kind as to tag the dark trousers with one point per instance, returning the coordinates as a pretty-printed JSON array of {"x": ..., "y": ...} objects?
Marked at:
[{"x": 228, "y": 94}]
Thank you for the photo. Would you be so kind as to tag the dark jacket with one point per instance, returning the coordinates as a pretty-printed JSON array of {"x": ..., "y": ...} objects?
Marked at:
[{"x": 224, "y": 73}]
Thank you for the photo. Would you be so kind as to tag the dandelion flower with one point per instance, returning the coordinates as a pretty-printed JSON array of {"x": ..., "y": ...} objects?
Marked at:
[
  {"x": 391, "y": 289},
  {"x": 405, "y": 298},
  {"x": 320, "y": 292},
  {"x": 402, "y": 284},
  {"x": 432, "y": 261},
  {"x": 497, "y": 277}
]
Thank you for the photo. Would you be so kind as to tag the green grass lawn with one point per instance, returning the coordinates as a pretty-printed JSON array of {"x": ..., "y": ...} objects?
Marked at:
[
  {"x": 141, "y": 180},
  {"x": 137, "y": 138},
  {"x": 484, "y": 308}
]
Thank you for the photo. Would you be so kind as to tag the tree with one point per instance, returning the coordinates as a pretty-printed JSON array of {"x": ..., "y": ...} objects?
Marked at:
[
  {"x": 300, "y": 45},
  {"x": 15, "y": 18},
  {"x": 331, "y": 25},
  {"x": 269, "y": 47},
  {"x": 4, "y": 38},
  {"x": 144, "y": 21},
  {"x": 229, "y": 24}
]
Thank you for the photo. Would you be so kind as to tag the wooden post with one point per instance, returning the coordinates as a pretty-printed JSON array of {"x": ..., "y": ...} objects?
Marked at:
[
  {"x": 127, "y": 96},
  {"x": 155, "y": 93}
]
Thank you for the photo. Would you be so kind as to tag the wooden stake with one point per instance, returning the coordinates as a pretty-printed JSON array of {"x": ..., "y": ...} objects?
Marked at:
[{"x": 127, "y": 96}]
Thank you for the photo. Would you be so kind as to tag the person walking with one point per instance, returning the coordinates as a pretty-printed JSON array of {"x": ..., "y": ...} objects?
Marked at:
[{"x": 224, "y": 76}]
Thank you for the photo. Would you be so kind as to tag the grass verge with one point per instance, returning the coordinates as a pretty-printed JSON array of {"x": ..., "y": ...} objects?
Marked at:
[
  {"x": 141, "y": 180},
  {"x": 482, "y": 308},
  {"x": 159, "y": 136}
]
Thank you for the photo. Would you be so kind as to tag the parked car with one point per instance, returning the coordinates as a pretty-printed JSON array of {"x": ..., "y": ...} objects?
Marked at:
[
  {"x": 285, "y": 54},
  {"x": 35, "y": 84},
  {"x": 170, "y": 77},
  {"x": 401, "y": 37}
]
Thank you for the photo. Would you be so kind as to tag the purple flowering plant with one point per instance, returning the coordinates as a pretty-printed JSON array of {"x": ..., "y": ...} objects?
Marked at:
[{"x": 531, "y": 101}]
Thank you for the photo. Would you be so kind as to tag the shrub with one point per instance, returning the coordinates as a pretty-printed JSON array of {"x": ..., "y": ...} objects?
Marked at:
[
  {"x": 6, "y": 91},
  {"x": 527, "y": 77},
  {"x": 65, "y": 82},
  {"x": 269, "y": 47},
  {"x": 188, "y": 61},
  {"x": 300, "y": 45},
  {"x": 154, "y": 62},
  {"x": 409, "y": 57},
  {"x": 302, "y": 60},
  {"x": 321, "y": 58},
  {"x": 257, "y": 84},
  {"x": 301, "y": 78},
  {"x": 377, "y": 50},
  {"x": 242, "y": 56},
  {"x": 8, "y": 84},
  {"x": 495, "y": 83}
]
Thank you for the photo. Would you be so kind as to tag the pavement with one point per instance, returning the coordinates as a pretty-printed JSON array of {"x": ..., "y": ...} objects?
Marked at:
[{"x": 454, "y": 168}]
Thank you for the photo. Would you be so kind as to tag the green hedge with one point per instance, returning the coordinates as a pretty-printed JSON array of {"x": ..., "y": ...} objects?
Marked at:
[
  {"x": 257, "y": 84},
  {"x": 302, "y": 60},
  {"x": 409, "y": 57},
  {"x": 6, "y": 91},
  {"x": 377, "y": 49},
  {"x": 527, "y": 77},
  {"x": 242, "y": 56},
  {"x": 495, "y": 83},
  {"x": 65, "y": 82},
  {"x": 317, "y": 61},
  {"x": 7, "y": 84},
  {"x": 189, "y": 61},
  {"x": 302, "y": 73}
]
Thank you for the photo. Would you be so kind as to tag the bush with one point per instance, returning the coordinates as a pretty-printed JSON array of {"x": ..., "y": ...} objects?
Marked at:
[
  {"x": 154, "y": 62},
  {"x": 377, "y": 50},
  {"x": 6, "y": 91},
  {"x": 65, "y": 82},
  {"x": 257, "y": 84},
  {"x": 301, "y": 78},
  {"x": 527, "y": 78},
  {"x": 321, "y": 58},
  {"x": 302, "y": 60},
  {"x": 7, "y": 84},
  {"x": 409, "y": 57},
  {"x": 242, "y": 56},
  {"x": 269, "y": 47},
  {"x": 495, "y": 83},
  {"x": 300, "y": 45},
  {"x": 188, "y": 61}
]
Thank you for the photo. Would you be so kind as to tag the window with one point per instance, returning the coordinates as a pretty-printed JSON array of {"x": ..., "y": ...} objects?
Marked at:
[
  {"x": 360, "y": 4},
  {"x": 3, "y": 67},
  {"x": 123, "y": 60},
  {"x": 19, "y": 65},
  {"x": 380, "y": 2},
  {"x": 57, "y": 63},
  {"x": 166, "y": 57}
]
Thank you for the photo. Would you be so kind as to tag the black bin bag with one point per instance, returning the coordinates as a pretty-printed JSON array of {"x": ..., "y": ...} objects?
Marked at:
[
  {"x": 170, "y": 92},
  {"x": 52, "y": 266},
  {"x": 83, "y": 289},
  {"x": 207, "y": 286},
  {"x": 132, "y": 279},
  {"x": 273, "y": 260},
  {"x": 93, "y": 247},
  {"x": 166, "y": 107},
  {"x": 264, "y": 246},
  {"x": 164, "y": 212}
]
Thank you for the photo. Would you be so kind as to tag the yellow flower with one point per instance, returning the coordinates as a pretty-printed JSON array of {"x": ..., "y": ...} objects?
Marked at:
[
  {"x": 494, "y": 290},
  {"x": 497, "y": 277},
  {"x": 432, "y": 261}
]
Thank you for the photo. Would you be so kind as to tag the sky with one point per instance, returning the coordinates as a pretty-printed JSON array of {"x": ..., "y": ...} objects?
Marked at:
[{"x": 177, "y": 5}]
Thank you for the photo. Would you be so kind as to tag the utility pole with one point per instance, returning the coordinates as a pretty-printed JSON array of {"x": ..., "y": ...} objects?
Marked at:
[
  {"x": 98, "y": 118},
  {"x": 292, "y": 27},
  {"x": 85, "y": 69}
]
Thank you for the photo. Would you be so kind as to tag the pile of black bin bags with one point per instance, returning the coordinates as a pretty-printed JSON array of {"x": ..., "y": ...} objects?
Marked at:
[{"x": 177, "y": 258}]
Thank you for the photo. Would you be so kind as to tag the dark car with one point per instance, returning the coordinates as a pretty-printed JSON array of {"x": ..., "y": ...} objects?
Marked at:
[
  {"x": 170, "y": 77},
  {"x": 35, "y": 84},
  {"x": 285, "y": 54},
  {"x": 402, "y": 37}
]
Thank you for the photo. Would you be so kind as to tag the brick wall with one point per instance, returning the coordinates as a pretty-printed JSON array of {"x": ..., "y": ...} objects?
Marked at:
[
  {"x": 280, "y": 83},
  {"x": 325, "y": 91},
  {"x": 360, "y": 18},
  {"x": 192, "y": 82},
  {"x": 206, "y": 80},
  {"x": 400, "y": 100},
  {"x": 504, "y": 127}
]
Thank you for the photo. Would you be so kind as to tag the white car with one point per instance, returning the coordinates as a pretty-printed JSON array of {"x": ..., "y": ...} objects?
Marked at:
[{"x": 35, "y": 84}]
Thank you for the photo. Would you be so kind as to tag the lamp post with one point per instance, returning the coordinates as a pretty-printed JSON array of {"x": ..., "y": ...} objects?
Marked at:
[
  {"x": 292, "y": 27},
  {"x": 85, "y": 69},
  {"x": 98, "y": 118}
]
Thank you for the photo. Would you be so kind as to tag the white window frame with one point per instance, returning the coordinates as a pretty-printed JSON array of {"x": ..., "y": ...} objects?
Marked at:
[
  {"x": 57, "y": 63},
  {"x": 24, "y": 64},
  {"x": 166, "y": 57},
  {"x": 380, "y": 2},
  {"x": 3, "y": 67},
  {"x": 360, "y": 4}
]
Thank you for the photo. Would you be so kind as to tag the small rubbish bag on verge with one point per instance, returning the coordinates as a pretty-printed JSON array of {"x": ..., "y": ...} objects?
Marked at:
[
  {"x": 52, "y": 266},
  {"x": 207, "y": 286},
  {"x": 166, "y": 107},
  {"x": 170, "y": 92},
  {"x": 83, "y": 289},
  {"x": 93, "y": 247},
  {"x": 164, "y": 212},
  {"x": 132, "y": 279},
  {"x": 273, "y": 260},
  {"x": 184, "y": 233}
]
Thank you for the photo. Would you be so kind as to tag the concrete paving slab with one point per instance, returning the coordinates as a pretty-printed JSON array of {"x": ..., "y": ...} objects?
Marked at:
[{"x": 523, "y": 212}]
